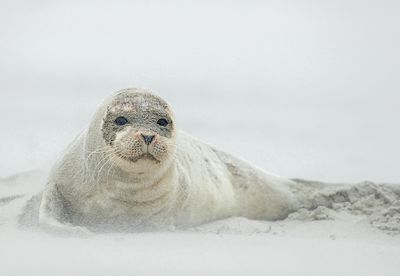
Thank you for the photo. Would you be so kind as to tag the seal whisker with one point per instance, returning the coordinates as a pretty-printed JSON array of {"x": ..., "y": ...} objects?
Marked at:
[
  {"x": 107, "y": 161},
  {"x": 112, "y": 165},
  {"x": 98, "y": 151},
  {"x": 100, "y": 164}
]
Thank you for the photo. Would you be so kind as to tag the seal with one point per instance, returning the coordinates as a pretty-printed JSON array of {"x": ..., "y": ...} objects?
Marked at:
[{"x": 133, "y": 170}]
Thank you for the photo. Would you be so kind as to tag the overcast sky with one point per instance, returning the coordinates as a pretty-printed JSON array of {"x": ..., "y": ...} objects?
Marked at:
[{"x": 300, "y": 88}]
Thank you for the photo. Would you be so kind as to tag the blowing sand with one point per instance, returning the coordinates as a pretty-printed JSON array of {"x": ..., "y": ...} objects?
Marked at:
[{"x": 352, "y": 229}]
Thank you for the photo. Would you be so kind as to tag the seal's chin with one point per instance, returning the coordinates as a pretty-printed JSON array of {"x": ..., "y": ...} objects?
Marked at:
[
  {"x": 148, "y": 156},
  {"x": 143, "y": 157}
]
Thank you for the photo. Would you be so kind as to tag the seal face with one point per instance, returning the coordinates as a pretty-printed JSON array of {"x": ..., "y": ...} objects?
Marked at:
[{"x": 139, "y": 127}]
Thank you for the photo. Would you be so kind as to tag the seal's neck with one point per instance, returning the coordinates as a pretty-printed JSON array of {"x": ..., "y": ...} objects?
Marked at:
[{"x": 135, "y": 188}]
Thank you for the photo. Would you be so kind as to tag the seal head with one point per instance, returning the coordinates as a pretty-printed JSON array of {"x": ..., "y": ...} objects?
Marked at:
[{"x": 138, "y": 131}]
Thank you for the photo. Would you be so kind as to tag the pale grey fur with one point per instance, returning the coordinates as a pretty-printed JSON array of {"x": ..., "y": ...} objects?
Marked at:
[
  {"x": 193, "y": 183},
  {"x": 89, "y": 187}
]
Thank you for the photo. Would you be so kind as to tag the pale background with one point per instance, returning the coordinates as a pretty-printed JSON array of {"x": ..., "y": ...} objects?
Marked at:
[{"x": 300, "y": 88}]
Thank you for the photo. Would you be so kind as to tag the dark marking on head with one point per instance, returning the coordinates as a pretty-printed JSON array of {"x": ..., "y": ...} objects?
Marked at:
[{"x": 141, "y": 110}]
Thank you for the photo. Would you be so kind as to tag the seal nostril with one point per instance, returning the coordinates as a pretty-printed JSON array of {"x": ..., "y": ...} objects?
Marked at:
[{"x": 148, "y": 139}]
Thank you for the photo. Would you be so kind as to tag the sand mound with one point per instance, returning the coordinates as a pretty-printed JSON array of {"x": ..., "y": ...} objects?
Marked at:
[{"x": 379, "y": 203}]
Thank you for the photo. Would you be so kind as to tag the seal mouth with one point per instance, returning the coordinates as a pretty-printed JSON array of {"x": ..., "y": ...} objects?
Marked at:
[{"x": 143, "y": 156}]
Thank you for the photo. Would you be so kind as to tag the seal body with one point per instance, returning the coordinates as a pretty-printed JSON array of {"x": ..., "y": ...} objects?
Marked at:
[{"x": 131, "y": 169}]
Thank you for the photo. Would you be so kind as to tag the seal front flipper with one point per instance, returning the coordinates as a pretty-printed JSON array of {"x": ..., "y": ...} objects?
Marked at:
[{"x": 54, "y": 213}]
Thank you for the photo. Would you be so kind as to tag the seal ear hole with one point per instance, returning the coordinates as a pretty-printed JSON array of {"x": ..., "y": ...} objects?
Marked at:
[
  {"x": 120, "y": 121},
  {"x": 162, "y": 122}
]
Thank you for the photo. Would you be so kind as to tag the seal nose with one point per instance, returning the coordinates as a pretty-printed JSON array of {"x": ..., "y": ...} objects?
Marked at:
[{"x": 148, "y": 139}]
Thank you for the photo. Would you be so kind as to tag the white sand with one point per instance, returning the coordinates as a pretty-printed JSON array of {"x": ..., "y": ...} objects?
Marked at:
[{"x": 323, "y": 241}]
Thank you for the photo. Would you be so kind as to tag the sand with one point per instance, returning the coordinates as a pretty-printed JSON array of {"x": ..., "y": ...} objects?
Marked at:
[{"x": 355, "y": 230}]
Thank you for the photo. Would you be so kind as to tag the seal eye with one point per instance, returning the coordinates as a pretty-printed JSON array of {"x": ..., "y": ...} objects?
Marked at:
[
  {"x": 120, "y": 121},
  {"x": 162, "y": 122}
]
